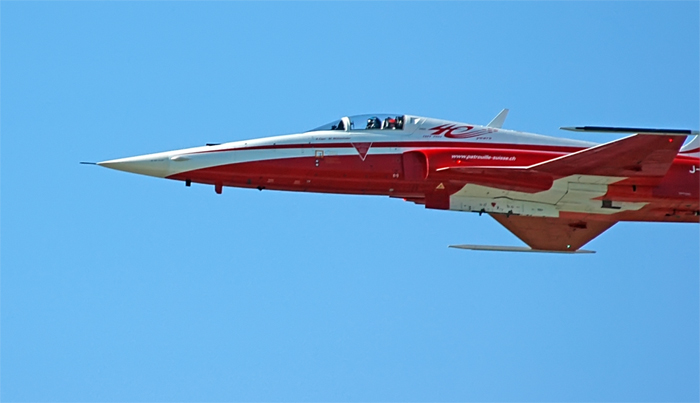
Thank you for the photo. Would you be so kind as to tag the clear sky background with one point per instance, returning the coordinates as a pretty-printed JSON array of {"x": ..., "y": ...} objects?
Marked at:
[{"x": 119, "y": 287}]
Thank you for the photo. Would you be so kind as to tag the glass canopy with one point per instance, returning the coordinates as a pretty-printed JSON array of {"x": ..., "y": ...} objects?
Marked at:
[{"x": 365, "y": 122}]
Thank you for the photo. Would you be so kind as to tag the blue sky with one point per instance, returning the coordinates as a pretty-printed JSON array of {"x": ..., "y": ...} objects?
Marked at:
[{"x": 118, "y": 287}]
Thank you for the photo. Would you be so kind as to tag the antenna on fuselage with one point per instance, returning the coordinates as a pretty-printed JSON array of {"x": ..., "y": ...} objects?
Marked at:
[{"x": 497, "y": 122}]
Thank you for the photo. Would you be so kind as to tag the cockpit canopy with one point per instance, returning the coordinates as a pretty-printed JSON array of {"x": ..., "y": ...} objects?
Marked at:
[{"x": 365, "y": 122}]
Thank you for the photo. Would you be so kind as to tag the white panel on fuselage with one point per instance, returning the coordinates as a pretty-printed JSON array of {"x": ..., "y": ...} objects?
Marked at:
[{"x": 576, "y": 193}]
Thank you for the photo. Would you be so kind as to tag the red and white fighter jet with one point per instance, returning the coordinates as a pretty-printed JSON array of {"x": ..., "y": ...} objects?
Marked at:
[{"x": 554, "y": 194}]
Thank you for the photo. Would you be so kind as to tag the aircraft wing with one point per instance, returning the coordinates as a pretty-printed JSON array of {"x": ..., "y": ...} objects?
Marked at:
[
  {"x": 644, "y": 156},
  {"x": 553, "y": 234},
  {"x": 639, "y": 155}
]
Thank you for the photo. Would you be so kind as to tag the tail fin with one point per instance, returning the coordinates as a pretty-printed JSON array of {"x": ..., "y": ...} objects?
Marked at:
[{"x": 693, "y": 148}]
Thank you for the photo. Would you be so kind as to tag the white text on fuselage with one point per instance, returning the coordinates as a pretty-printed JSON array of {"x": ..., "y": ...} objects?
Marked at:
[
  {"x": 484, "y": 157},
  {"x": 331, "y": 138}
]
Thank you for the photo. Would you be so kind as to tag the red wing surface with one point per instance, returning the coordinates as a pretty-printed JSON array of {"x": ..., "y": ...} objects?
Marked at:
[
  {"x": 640, "y": 155},
  {"x": 645, "y": 157},
  {"x": 553, "y": 234}
]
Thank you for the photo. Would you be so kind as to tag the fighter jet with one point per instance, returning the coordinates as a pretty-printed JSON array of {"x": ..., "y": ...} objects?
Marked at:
[{"x": 555, "y": 194}]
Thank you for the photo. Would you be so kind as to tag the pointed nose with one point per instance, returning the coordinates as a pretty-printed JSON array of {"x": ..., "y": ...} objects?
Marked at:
[{"x": 153, "y": 165}]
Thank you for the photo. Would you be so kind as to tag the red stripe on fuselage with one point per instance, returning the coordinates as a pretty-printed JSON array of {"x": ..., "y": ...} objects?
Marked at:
[{"x": 382, "y": 174}]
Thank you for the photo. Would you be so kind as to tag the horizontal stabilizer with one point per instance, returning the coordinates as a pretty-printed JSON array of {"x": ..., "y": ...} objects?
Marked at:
[
  {"x": 516, "y": 249},
  {"x": 629, "y": 130}
]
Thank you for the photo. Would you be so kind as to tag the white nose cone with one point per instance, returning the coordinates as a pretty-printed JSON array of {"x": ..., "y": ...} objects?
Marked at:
[{"x": 157, "y": 165}]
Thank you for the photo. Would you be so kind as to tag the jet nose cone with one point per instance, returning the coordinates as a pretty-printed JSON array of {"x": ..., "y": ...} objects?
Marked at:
[{"x": 153, "y": 165}]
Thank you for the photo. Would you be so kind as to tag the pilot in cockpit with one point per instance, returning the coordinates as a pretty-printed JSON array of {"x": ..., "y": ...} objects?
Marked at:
[
  {"x": 390, "y": 123},
  {"x": 374, "y": 123},
  {"x": 340, "y": 126}
]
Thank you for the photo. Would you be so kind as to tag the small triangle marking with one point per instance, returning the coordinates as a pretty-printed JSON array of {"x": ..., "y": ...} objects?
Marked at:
[{"x": 362, "y": 149}]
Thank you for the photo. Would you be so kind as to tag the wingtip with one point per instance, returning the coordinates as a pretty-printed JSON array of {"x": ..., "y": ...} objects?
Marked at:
[{"x": 489, "y": 248}]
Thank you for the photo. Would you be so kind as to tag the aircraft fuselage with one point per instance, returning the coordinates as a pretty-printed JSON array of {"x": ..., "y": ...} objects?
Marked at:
[{"x": 416, "y": 163}]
